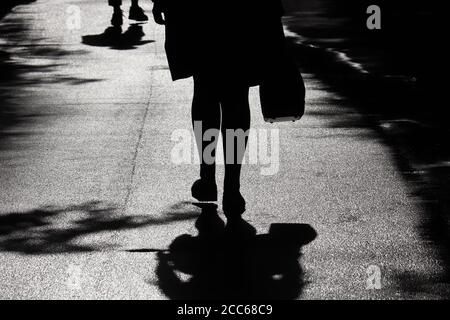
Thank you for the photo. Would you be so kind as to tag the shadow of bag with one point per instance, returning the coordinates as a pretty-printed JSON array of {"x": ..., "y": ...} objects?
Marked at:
[{"x": 282, "y": 93}]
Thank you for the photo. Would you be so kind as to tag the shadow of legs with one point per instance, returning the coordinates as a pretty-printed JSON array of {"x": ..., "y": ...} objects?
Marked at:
[{"x": 230, "y": 262}]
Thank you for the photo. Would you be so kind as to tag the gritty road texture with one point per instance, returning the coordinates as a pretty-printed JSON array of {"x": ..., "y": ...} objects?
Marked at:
[{"x": 90, "y": 193}]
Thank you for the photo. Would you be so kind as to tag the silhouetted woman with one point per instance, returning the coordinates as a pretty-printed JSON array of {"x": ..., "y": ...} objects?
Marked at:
[{"x": 227, "y": 46}]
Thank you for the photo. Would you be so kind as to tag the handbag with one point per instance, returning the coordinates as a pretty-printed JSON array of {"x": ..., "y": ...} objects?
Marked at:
[{"x": 282, "y": 93}]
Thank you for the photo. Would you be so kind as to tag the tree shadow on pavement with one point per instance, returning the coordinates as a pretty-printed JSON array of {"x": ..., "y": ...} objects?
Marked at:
[
  {"x": 8, "y": 5},
  {"x": 28, "y": 64},
  {"x": 404, "y": 113},
  {"x": 113, "y": 38},
  {"x": 52, "y": 230},
  {"x": 232, "y": 262}
]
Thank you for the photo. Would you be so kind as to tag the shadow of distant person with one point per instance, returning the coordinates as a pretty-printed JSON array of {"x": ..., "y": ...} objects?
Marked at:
[
  {"x": 8, "y": 5},
  {"x": 232, "y": 262},
  {"x": 113, "y": 38}
]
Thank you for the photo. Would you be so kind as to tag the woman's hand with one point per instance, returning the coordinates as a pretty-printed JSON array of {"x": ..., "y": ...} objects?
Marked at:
[{"x": 158, "y": 12}]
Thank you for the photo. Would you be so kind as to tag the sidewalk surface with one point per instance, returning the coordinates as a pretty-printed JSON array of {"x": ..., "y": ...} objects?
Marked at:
[{"x": 89, "y": 192}]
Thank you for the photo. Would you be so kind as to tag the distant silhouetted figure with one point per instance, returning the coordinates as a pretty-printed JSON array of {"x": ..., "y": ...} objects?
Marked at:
[
  {"x": 227, "y": 47},
  {"x": 136, "y": 12}
]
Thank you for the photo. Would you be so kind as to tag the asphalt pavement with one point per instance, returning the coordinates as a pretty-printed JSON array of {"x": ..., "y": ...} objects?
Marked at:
[{"x": 95, "y": 201}]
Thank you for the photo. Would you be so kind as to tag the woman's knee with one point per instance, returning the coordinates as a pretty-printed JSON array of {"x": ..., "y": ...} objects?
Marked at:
[{"x": 236, "y": 107}]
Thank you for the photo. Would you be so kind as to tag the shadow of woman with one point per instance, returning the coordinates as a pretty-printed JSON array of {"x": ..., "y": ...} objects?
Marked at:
[
  {"x": 232, "y": 262},
  {"x": 113, "y": 38}
]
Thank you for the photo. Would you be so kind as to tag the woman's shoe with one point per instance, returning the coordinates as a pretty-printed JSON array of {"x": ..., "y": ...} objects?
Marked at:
[
  {"x": 137, "y": 13},
  {"x": 233, "y": 204},
  {"x": 204, "y": 190}
]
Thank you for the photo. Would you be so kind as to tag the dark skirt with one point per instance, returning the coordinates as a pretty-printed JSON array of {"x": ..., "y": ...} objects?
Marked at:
[{"x": 229, "y": 40}]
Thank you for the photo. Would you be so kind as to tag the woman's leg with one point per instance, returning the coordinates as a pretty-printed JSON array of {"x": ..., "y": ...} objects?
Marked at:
[
  {"x": 235, "y": 130},
  {"x": 116, "y": 19},
  {"x": 206, "y": 122}
]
